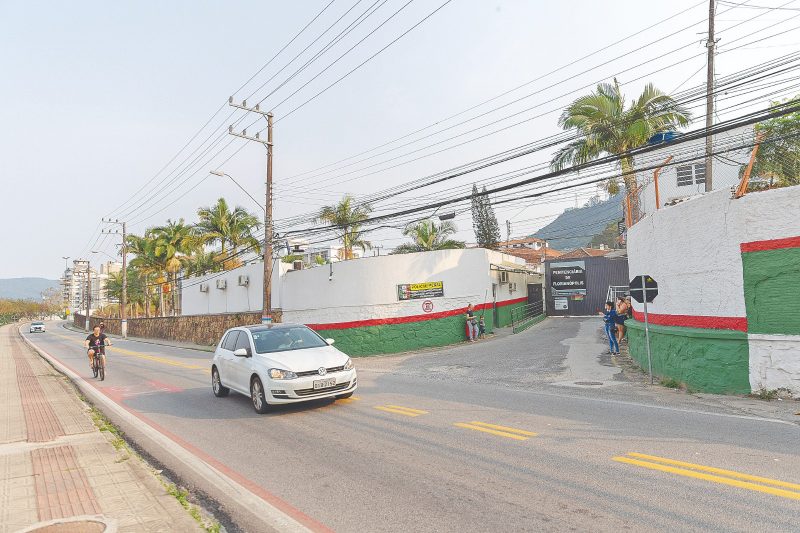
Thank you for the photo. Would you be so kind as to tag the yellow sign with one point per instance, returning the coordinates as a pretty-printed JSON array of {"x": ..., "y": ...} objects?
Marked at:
[
  {"x": 414, "y": 291},
  {"x": 426, "y": 286}
]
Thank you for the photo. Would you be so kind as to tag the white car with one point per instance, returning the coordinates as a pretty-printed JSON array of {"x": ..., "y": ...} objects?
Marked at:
[
  {"x": 280, "y": 363},
  {"x": 37, "y": 327}
]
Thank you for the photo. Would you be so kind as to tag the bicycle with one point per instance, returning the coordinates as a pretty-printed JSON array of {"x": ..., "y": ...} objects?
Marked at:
[{"x": 98, "y": 367}]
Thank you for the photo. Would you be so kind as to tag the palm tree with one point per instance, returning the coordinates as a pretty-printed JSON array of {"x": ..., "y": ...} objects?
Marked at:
[
  {"x": 346, "y": 217},
  {"x": 146, "y": 263},
  {"x": 607, "y": 127},
  {"x": 203, "y": 262},
  {"x": 232, "y": 230},
  {"x": 427, "y": 235},
  {"x": 173, "y": 244}
]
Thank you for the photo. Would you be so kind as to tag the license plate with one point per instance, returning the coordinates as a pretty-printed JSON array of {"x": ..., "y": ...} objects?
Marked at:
[{"x": 324, "y": 383}]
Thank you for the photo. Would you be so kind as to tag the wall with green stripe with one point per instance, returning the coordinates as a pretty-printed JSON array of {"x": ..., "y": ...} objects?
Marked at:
[
  {"x": 504, "y": 313},
  {"x": 403, "y": 337},
  {"x": 707, "y": 360}
]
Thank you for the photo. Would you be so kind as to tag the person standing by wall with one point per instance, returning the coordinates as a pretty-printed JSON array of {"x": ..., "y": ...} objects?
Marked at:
[
  {"x": 622, "y": 308},
  {"x": 610, "y": 320},
  {"x": 472, "y": 323}
]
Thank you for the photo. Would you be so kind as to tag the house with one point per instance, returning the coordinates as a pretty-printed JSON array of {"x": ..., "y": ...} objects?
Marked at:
[
  {"x": 683, "y": 170},
  {"x": 581, "y": 252},
  {"x": 533, "y": 250}
]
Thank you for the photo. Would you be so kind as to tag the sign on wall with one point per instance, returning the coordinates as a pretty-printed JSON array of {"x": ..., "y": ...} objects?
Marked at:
[
  {"x": 568, "y": 278},
  {"x": 561, "y": 304},
  {"x": 415, "y": 291}
]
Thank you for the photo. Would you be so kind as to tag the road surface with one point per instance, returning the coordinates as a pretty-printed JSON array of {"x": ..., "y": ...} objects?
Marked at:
[{"x": 530, "y": 432}]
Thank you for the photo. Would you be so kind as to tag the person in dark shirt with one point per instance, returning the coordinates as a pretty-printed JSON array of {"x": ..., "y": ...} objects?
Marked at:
[
  {"x": 472, "y": 324},
  {"x": 610, "y": 319},
  {"x": 95, "y": 344}
]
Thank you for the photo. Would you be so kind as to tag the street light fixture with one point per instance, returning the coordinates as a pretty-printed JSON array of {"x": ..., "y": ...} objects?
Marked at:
[{"x": 223, "y": 174}]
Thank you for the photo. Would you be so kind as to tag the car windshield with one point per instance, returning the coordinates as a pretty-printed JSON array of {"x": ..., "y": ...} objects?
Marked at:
[
  {"x": 38, "y": 323},
  {"x": 286, "y": 339}
]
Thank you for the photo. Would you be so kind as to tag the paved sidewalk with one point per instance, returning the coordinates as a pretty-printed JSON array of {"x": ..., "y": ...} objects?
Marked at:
[{"x": 56, "y": 466}]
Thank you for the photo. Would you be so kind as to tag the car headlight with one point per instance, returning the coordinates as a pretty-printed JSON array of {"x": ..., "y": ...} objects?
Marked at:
[
  {"x": 349, "y": 364},
  {"x": 277, "y": 373}
]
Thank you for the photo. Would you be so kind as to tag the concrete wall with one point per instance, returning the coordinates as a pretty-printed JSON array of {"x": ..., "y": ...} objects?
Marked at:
[
  {"x": 725, "y": 265},
  {"x": 234, "y": 298}
]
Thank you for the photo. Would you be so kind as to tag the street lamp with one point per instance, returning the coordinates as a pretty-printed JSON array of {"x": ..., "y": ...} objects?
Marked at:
[{"x": 223, "y": 174}]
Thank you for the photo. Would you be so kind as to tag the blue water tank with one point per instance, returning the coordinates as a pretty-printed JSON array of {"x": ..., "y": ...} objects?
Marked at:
[{"x": 663, "y": 137}]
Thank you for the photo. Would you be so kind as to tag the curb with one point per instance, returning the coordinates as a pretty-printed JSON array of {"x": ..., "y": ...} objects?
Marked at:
[{"x": 261, "y": 512}]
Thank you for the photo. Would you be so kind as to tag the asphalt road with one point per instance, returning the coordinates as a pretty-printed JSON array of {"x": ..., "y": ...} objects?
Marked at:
[{"x": 530, "y": 432}]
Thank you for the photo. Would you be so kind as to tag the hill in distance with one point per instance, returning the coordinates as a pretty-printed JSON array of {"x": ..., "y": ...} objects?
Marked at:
[
  {"x": 26, "y": 288},
  {"x": 575, "y": 227}
]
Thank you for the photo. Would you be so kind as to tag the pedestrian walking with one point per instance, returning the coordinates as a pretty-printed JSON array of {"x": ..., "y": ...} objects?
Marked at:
[
  {"x": 610, "y": 321},
  {"x": 472, "y": 324}
]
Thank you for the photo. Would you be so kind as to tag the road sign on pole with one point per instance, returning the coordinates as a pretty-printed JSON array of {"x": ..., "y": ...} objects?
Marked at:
[{"x": 644, "y": 289}]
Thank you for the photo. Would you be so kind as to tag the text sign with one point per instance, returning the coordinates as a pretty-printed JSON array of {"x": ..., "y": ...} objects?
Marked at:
[
  {"x": 643, "y": 289},
  {"x": 568, "y": 278},
  {"x": 420, "y": 291}
]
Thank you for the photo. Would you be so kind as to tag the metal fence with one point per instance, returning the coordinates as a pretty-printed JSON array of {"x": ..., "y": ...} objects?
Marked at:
[{"x": 524, "y": 317}]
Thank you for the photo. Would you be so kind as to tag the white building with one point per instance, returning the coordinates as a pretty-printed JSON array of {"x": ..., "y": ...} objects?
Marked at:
[
  {"x": 74, "y": 286},
  {"x": 687, "y": 178}
]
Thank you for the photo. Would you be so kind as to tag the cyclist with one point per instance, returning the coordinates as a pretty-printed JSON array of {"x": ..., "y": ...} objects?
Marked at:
[{"x": 95, "y": 344}]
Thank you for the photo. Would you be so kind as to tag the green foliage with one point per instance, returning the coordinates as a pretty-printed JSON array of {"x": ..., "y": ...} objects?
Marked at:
[
  {"x": 13, "y": 310},
  {"x": 778, "y": 157},
  {"x": 609, "y": 236},
  {"x": 765, "y": 394},
  {"x": 291, "y": 258},
  {"x": 427, "y": 235},
  {"x": 231, "y": 230},
  {"x": 671, "y": 383},
  {"x": 484, "y": 221},
  {"x": 607, "y": 126},
  {"x": 346, "y": 217}
]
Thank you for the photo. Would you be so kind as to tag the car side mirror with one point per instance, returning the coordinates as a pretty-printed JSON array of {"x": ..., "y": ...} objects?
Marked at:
[
  {"x": 242, "y": 352},
  {"x": 330, "y": 341}
]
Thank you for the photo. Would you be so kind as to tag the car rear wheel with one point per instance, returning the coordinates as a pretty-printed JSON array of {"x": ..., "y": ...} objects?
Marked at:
[
  {"x": 257, "y": 396},
  {"x": 216, "y": 384}
]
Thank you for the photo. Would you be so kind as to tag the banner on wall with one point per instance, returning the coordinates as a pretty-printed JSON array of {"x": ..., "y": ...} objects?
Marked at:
[
  {"x": 415, "y": 291},
  {"x": 568, "y": 278}
]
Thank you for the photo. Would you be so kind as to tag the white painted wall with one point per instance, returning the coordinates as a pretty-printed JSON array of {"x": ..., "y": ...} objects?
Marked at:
[
  {"x": 774, "y": 362},
  {"x": 364, "y": 288},
  {"x": 692, "y": 249},
  {"x": 234, "y": 298}
]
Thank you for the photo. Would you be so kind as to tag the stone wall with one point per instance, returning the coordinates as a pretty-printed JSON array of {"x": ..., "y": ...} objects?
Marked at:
[{"x": 204, "y": 330}]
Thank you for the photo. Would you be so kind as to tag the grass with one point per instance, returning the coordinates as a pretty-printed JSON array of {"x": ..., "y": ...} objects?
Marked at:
[
  {"x": 765, "y": 394},
  {"x": 671, "y": 383},
  {"x": 182, "y": 495}
]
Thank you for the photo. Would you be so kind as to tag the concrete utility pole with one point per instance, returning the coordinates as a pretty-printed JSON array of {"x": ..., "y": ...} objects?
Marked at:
[
  {"x": 123, "y": 311},
  {"x": 508, "y": 231},
  {"x": 266, "y": 313},
  {"x": 710, "y": 45}
]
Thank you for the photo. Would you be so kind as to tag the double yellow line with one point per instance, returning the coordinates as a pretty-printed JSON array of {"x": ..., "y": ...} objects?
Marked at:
[
  {"x": 400, "y": 410},
  {"x": 500, "y": 431},
  {"x": 766, "y": 485}
]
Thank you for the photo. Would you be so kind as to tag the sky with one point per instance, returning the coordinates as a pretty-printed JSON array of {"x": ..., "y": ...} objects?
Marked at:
[{"x": 100, "y": 99}]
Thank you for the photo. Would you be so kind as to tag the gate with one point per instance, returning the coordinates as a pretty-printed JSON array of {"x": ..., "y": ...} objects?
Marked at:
[{"x": 531, "y": 313}]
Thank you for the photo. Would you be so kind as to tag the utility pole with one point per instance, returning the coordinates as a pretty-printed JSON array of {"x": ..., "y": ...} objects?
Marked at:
[
  {"x": 87, "y": 300},
  {"x": 65, "y": 291},
  {"x": 710, "y": 45},
  {"x": 266, "y": 313},
  {"x": 508, "y": 232},
  {"x": 123, "y": 311}
]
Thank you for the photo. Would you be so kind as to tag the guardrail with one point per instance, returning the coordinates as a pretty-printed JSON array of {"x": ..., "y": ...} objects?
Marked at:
[{"x": 524, "y": 317}]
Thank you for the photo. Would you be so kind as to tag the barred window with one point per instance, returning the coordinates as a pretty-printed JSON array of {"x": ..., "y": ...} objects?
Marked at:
[{"x": 689, "y": 174}]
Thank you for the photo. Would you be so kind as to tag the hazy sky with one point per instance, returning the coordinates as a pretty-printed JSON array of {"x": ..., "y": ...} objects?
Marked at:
[{"x": 99, "y": 96}]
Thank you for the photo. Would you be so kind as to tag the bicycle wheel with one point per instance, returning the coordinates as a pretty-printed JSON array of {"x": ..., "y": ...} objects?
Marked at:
[
  {"x": 102, "y": 371},
  {"x": 94, "y": 368}
]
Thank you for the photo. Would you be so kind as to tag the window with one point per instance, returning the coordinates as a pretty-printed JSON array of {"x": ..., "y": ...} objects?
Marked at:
[
  {"x": 230, "y": 341},
  {"x": 690, "y": 174},
  {"x": 243, "y": 341},
  {"x": 287, "y": 338}
]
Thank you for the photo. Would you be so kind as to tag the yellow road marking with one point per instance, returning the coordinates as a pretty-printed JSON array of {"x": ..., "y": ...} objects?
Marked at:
[
  {"x": 154, "y": 358},
  {"x": 351, "y": 399},
  {"x": 490, "y": 431},
  {"x": 400, "y": 410},
  {"x": 713, "y": 478},
  {"x": 728, "y": 473},
  {"x": 505, "y": 428}
]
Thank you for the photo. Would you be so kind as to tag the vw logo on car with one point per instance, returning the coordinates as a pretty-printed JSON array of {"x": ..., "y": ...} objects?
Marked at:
[{"x": 322, "y": 371}]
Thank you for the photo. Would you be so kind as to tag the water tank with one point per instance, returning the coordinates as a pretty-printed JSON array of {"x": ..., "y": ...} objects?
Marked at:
[{"x": 663, "y": 137}]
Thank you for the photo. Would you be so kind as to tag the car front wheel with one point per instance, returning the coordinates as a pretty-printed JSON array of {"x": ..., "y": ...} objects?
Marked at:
[
  {"x": 257, "y": 396},
  {"x": 219, "y": 390}
]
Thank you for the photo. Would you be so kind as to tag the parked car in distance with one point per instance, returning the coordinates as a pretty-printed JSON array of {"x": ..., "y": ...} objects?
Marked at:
[
  {"x": 279, "y": 364},
  {"x": 37, "y": 327}
]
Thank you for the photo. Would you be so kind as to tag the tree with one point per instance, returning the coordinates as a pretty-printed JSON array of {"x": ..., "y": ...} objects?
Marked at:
[
  {"x": 232, "y": 230},
  {"x": 173, "y": 244},
  {"x": 427, "y": 235},
  {"x": 484, "y": 221},
  {"x": 606, "y": 126},
  {"x": 778, "y": 157},
  {"x": 346, "y": 218},
  {"x": 203, "y": 262},
  {"x": 609, "y": 236}
]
